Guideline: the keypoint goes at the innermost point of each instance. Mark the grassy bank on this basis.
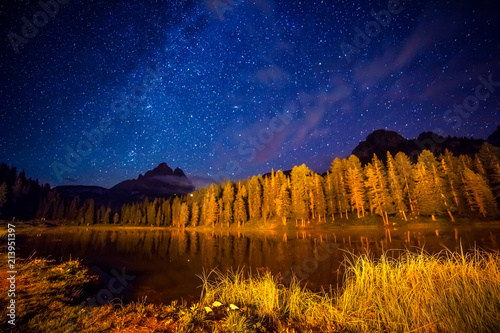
(449, 292)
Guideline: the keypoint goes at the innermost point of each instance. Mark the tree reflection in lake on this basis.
(166, 262)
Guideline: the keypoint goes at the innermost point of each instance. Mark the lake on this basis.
(165, 262)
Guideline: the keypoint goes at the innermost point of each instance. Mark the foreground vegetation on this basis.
(447, 292)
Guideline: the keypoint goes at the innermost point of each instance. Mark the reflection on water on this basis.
(166, 262)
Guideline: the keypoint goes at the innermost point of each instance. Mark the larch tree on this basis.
(274, 189)
(489, 155)
(73, 208)
(255, 197)
(176, 212)
(183, 215)
(397, 185)
(220, 213)
(433, 196)
(166, 211)
(240, 210)
(151, 213)
(330, 197)
(355, 180)
(465, 161)
(228, 200)
(267, 198)
(283, 203)
(450, 167)
(318, 196)
(106, 218)
(125, 214)
(116, 218)
(300, 184)
(478, 194)
(90, 212)
(159, 216)
(340, 186)
(3, 194)
(479, 167)
(212, 209)
(378, 189)
(59, 211)
(405, 170)
(195, 214)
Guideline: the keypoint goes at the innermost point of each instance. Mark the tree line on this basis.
(446, 185)
(19, 196)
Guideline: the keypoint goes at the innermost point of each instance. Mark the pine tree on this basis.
(116, 218)
(478, 194)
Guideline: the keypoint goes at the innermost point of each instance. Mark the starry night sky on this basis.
(233, 88)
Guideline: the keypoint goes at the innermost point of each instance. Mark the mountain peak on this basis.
(160, 181)
(381, 141)
(161, 170)
(179, 172)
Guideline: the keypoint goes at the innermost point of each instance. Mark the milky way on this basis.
(94, 92)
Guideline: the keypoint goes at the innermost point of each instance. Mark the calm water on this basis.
(165, 262)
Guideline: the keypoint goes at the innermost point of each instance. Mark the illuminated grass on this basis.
(447, 292)
(417, 292)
